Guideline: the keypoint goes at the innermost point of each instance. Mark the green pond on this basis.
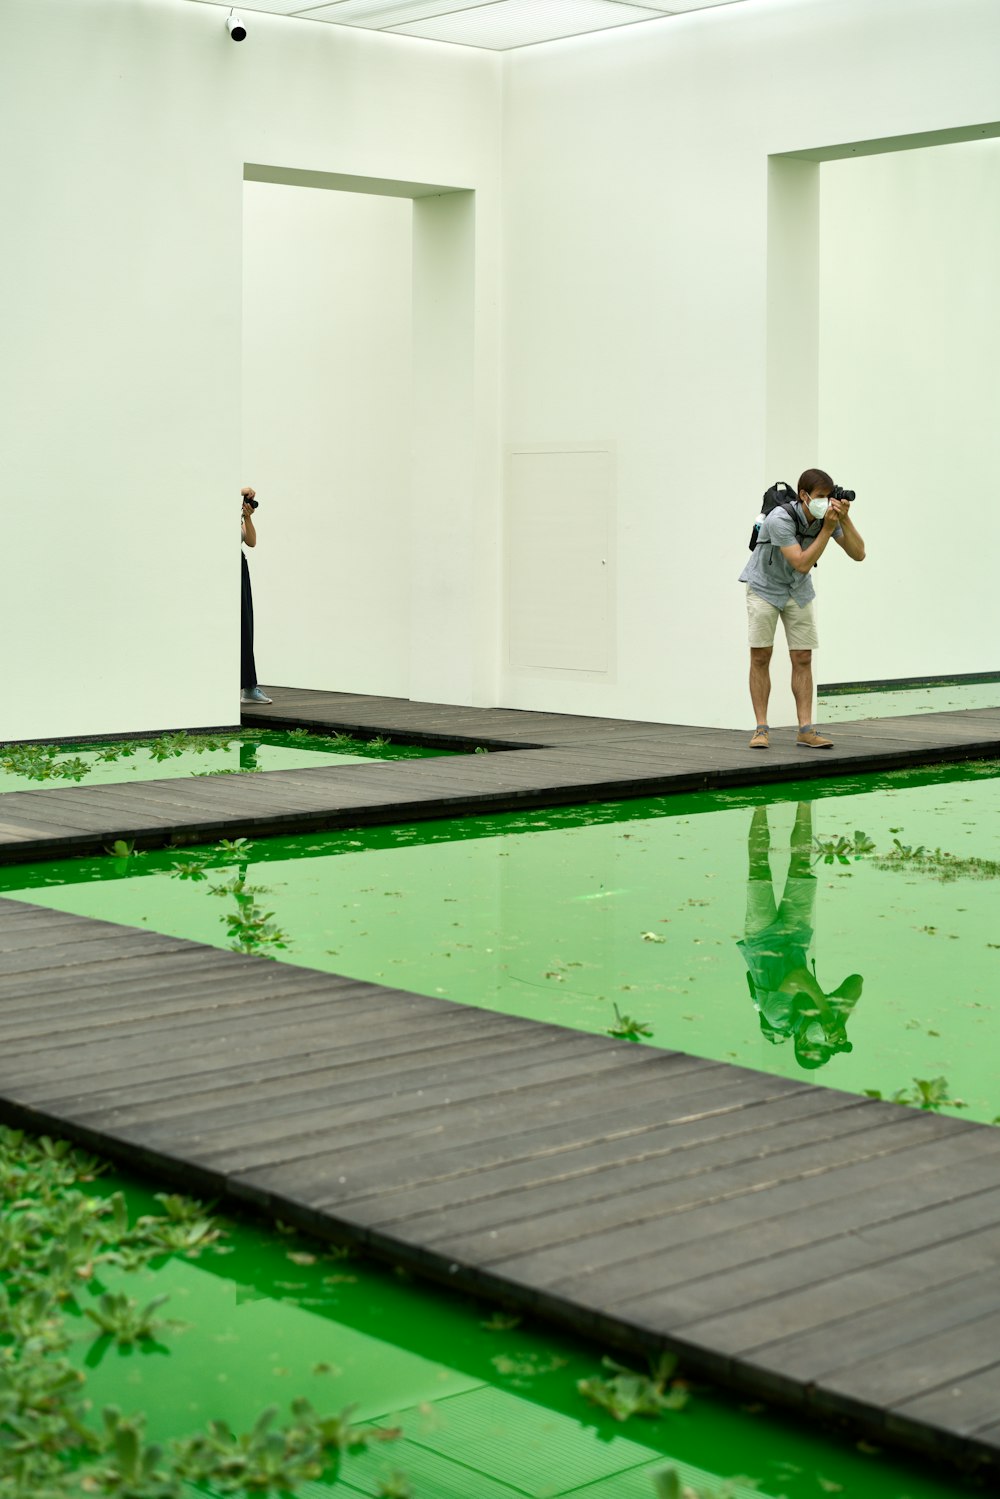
(844, 929)
(25, 767)
(487, 1406)
(931, 697)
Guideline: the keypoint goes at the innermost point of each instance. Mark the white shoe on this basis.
(254, 695)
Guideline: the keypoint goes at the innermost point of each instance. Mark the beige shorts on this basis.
(799, 623)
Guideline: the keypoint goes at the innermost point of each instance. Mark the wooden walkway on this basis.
(839, 1254)
(535, 760)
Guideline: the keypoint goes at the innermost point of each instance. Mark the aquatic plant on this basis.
(627, 1028)
(927, 1093)
(937, 863)
(234, 846)
(229, 770)
(251, 928)
(379, 742)
(40, 762)
(842, 849)
(667, 1484)
(53, 1238)
(121, 1317)
(629, 1393)
(122, 848)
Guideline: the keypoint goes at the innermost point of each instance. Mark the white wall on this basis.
(635, 312)
(634, 322)
(126, 126)
(327, 434)
(909, 403)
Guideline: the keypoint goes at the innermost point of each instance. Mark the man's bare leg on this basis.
(802, 691)
(760, 680)
(802, 686)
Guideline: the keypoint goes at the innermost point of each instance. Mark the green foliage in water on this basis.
(628, 1393)
(842, 849)
(627, 1028)
(935, 863)
(54, 1239)
(250, 928)
(927, 1093)
(41, 762)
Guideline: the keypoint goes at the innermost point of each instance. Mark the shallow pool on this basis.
(940, 697)
(487, 1405)
(23, 767)
(845, 930)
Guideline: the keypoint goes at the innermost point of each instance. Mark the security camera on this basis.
(236, 28)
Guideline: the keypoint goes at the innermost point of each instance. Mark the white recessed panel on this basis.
(379, 14)
(520, 23)
(267, 7)
(559, 505)
(677, 6)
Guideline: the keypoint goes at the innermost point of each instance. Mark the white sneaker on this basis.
(254, 695)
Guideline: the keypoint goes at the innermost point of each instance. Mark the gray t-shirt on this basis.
(767, 572)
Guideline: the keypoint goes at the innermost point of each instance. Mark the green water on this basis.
(865, 976)
(243, 751)
(487, 1411)
(845, 707)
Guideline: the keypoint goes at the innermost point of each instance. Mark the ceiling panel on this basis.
(499, 25)
(523, 23)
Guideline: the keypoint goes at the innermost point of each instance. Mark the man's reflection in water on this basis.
(248, 754)
(789, 1001)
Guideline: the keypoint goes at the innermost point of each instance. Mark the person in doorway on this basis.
(777, 576)
(787, 996)
(249, 691)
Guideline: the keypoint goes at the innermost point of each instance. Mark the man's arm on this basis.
(249, 531)
(850, 539)
(804, 558)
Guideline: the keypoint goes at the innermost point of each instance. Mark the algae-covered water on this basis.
(886, 702)
(242, 751)
(847, 930)
(487, 1405)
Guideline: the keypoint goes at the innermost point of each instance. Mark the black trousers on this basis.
(248, 668)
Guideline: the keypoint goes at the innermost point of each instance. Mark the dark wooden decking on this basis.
(535, 759)
(834, 1252)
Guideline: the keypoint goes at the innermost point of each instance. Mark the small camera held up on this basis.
(836, 493)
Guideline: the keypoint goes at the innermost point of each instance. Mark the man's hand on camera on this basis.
(835, 512)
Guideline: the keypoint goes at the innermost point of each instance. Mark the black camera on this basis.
(836, 493)
(246, 500)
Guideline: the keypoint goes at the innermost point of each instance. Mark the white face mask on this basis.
(818, 508)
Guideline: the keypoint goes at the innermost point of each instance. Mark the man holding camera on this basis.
(249, 691)
(789, 544)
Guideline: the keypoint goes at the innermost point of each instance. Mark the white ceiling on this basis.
(497, 25)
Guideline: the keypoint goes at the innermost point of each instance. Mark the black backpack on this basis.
(779, 494)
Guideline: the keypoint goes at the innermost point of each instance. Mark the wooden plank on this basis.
(556, 1258)
(727, 1234)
